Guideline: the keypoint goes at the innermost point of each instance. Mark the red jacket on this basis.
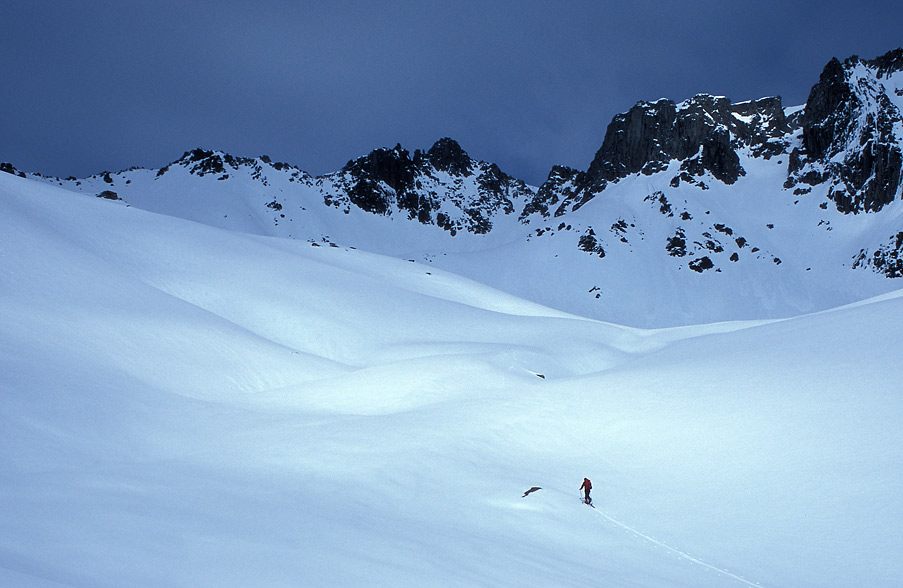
(586, 484)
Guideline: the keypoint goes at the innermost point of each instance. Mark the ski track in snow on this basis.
(682, 554)
(656, 542)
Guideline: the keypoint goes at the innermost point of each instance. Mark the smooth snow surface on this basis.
(188, 406)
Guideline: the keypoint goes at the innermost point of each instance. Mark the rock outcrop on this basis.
(853, 132)
(442, 186)
(704, 132)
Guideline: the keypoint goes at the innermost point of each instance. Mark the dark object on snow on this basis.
(533, 489)
(586, 486)
(109, 195)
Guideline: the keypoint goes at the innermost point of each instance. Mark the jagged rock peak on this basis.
(392, 167)
(834, 101)
(829, 111)
(446, 155)
(853, 131)
(889, 63)
(387, 181)
(387, 164)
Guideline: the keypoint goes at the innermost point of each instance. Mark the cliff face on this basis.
(853, 133)
(705, 132)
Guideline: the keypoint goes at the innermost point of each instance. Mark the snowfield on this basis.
(188, 406)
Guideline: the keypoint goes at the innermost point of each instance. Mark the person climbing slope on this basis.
(586, 487)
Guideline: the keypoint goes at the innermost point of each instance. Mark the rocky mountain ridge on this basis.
(420, 186)
(853, 113)
(704, 185)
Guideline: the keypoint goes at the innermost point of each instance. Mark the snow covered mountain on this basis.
(687, 208)
(192, 398)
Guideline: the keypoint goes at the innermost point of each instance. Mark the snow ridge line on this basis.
(682, 554)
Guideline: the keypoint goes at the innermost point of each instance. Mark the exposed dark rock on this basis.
(890, 62)
(664, 205)
(374, 173)
(590, 244)
(444, 222)
(711, 244)
(887, 259)
(495, 182)
(393, 167)
(829, 111)
(446, 155)
(720, 158)
(201, 162)
(633, 139)
(849, 135)
(701, 264)
(10, 169)
(765, 126)
(619, 229)
(677, 245)
(386, 180)
(564, 187)
(704, 132)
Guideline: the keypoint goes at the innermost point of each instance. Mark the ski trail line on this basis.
(682, 554)
(666, 547)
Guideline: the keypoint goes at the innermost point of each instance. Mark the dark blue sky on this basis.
(95, 86)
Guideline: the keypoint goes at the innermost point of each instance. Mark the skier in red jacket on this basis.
(586, 487)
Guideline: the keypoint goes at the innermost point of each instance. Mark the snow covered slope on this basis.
(189, 406)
